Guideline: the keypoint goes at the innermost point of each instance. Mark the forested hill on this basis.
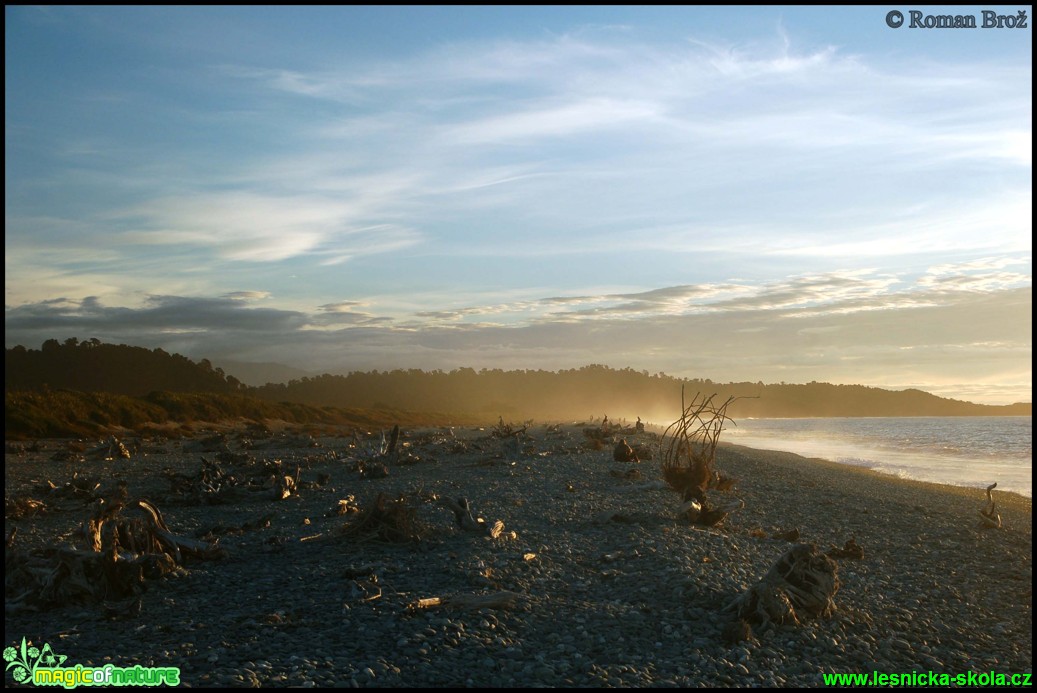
(92, 366)
(595, 391)
(591, 391)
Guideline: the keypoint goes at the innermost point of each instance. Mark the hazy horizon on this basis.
(749, 194)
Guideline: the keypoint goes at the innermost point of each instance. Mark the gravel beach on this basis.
(614, 589)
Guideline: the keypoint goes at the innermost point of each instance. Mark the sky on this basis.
(740, 194)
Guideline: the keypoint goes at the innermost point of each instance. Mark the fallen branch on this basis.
(472, 602)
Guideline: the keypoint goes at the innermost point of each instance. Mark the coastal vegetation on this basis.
(84, 387)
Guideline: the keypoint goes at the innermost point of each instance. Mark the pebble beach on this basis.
(610, 586)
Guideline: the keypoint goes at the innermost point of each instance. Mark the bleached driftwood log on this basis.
(474, 602)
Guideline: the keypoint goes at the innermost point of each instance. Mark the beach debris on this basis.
(230, 476)
(343, 507)
(708, 515)
(688, 466)
(375, 464)
(509, 430)
(503, 599)
(467, 521)
(365, 588)
(22, 507)
(372, 469)
(286, 486)
(109, 449)
(801, 584)
(851, 549)
(127, 544)
(600, 434)
(624, 453)
(632, 474)
(990, 518)
(390, 520)
(390, 451)
(80, 488)
(510, 437)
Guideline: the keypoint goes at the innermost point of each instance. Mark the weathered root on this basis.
(389, 520)
(688, 465)
(110, 449)
(122, 552)
(989, 517)
(467, 521)
(801, 584)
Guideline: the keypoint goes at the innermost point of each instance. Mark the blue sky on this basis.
(775, 194)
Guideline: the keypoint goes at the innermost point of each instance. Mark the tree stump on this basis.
(801, 584)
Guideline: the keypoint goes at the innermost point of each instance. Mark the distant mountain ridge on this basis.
(594, 390)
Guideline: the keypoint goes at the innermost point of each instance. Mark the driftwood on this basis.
(471, 602)
(989, 517)
(110, 449)
(801, 584)
(389, 520)
(509, 430)
(688, 466)
(467, 521)
(624, 453)
(851, 549)
(122, 552)
(227, 479)
(708, 515)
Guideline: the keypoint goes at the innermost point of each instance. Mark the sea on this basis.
(970, 451)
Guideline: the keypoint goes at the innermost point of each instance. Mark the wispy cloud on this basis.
(581, 194)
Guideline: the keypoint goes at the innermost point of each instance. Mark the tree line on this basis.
(592, 391)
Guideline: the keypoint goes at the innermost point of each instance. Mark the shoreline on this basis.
(616, 590)
(1022, 500)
